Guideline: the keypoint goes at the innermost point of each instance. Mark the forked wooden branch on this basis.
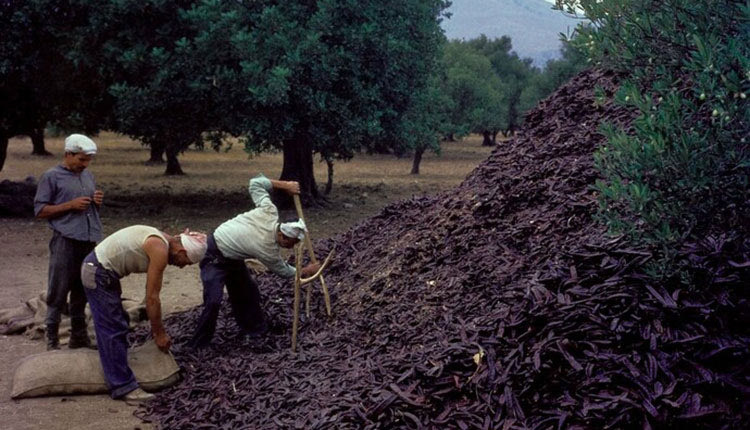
(313, 258)
(299, 281)
(319, 273)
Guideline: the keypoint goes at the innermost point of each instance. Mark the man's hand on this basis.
(292, 187)
(98, 197)
(80, 203)
(163, 341)
(310, 270)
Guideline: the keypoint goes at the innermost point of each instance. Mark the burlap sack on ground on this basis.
(29, 318)
(79, 371)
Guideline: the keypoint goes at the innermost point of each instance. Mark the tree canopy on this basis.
(43, 80)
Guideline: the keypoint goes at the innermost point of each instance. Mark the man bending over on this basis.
(253, 234)
(135, 249)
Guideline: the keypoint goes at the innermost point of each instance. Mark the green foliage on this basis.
(513, 71)
(488, 88)
(335, 77)
(474, 89)
(43, 77)
(162, 84)
(683, 168)
(555, 74)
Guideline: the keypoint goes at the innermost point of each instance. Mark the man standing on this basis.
(68, 198)
(135, 249)
(253, 234)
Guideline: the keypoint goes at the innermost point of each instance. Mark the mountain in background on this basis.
(532, 25)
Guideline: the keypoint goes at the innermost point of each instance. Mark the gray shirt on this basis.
(253, 234)
(59, 185)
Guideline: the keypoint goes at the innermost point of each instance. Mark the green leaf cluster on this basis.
(682, 169)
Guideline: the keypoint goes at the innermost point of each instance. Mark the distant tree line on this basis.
(488, 87)
(325, 77)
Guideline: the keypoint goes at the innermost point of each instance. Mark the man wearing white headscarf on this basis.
(254, 234)
(134, 249)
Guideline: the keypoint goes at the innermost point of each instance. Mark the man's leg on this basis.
(61, 271)
(79, 337)
(213, 276)
(245, 298)
(111, 328)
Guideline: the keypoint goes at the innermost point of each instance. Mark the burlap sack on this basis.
(29, 318)
(79, 371)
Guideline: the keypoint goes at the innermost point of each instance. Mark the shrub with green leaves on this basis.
(682, 168)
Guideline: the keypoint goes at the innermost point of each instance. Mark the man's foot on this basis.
(257, 331)
(137, 396)
(53, 341)
(83, 342)
(53, 346)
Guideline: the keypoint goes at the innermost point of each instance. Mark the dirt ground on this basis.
(213, 190)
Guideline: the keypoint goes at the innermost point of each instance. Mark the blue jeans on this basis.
(244, 297)
(104, 292)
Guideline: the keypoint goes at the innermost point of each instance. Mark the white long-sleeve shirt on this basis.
(253, 234)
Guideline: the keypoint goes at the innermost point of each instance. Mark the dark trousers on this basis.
(244, 297)
(66, 256)
(104, 293)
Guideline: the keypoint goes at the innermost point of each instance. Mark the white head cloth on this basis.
(76, 143)
(294, 230)
(195, 245)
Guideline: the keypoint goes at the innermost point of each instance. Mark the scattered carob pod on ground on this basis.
(500, 305)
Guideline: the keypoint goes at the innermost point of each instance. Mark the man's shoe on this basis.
(137, 396)
(80, 342)
(53, 345)
(53, 342)
(258, 331)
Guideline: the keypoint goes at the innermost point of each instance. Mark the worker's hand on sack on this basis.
(98, 197)
(310, 269)
(80, 203)
(163, 341)
(292, 187)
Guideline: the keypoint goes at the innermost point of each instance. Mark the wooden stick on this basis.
(319, 273)
(295, 321)
(307, 300)
(313, 258)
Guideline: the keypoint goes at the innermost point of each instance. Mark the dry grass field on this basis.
(214, 189)
(215, 185)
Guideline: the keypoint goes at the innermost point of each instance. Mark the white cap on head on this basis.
(195, 245)
(294, 230)
(76, 143)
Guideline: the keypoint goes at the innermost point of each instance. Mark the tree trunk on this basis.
(417, 160)
(486, 138)
(329, 183)
(3, 149)
(298, 166)
(37, 141)
(157, 154)
(494, 136)
(450, 137)
(173, 165)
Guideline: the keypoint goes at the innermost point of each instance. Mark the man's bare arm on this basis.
(291, 187)
(158, 256)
